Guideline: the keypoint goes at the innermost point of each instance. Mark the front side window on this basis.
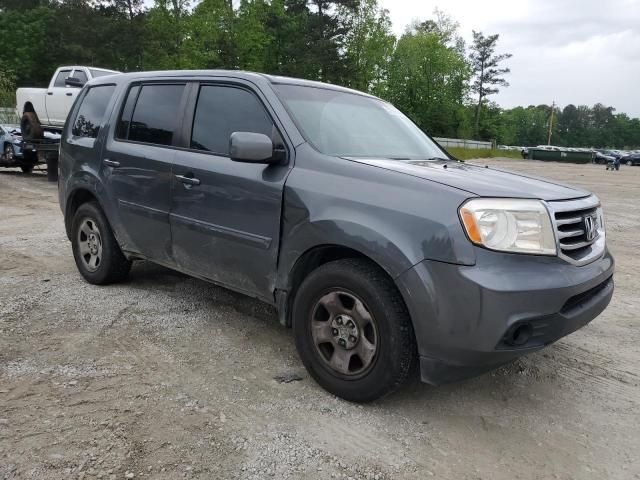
(61, 77)
(90, 115)
(155, 115)
(344, 124)
(222, 110)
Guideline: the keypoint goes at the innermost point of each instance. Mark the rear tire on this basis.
(30, 126)
(52, 168)
(353, 331)
(95, 250)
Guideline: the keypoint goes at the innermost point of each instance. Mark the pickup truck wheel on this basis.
(30, 126)
(95, 249)
(353, 331)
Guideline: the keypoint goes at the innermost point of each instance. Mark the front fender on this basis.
(341, 233)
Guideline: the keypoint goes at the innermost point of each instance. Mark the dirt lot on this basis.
(166, 376)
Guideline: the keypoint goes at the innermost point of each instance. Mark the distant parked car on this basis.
(610, 153)
(525, 153)
(602, 159)
(632, 159)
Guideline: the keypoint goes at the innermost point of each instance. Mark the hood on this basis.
(481, 181)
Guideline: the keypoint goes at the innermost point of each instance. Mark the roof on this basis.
(241, 74)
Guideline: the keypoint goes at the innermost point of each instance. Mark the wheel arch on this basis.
(76, 198)
(310, 260)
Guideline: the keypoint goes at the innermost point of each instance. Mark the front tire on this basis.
(95, 250)
(352, 330)
(9, 153)
(629, 163)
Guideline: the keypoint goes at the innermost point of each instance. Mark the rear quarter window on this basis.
(91, 113)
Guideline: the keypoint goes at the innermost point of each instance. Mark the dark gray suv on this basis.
(382, 252)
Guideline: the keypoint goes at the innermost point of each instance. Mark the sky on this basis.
(567, 51)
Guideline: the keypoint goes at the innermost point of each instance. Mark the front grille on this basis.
(577, 242)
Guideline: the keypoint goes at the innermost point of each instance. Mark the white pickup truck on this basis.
(49, 107)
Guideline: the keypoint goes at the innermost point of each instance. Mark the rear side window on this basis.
(80, 75)
(62, 76)
(122, 130)
(154, 118)
(90, 115)
(220, 111)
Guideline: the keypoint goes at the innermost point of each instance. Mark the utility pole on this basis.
(553, 107)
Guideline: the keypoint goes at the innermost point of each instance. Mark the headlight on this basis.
(509, 225)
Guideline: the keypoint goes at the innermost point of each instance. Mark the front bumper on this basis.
(465, 317)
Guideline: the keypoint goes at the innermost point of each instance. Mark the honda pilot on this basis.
(384, 254)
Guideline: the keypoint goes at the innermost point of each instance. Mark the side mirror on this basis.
(251, 148)
(73, 82)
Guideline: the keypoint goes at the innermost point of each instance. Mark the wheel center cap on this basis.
(345, 331)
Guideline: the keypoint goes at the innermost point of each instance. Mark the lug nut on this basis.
(339, 320)
(334, 331)
(352, 338)
(342, 342)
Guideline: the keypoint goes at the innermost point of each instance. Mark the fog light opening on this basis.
(520, 335)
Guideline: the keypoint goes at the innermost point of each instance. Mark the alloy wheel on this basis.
(344, 333)
(90, 244)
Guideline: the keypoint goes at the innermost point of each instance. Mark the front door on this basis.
(225, 215)
(56, 99)
(136, 166)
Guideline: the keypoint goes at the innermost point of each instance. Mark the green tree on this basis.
(165, 33)
(485, 68)
(368, 45)
(428, 81)
(7, 88)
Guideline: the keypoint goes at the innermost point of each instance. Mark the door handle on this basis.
(111, 163)
(69, 94)
(49, 93)
(188, 180)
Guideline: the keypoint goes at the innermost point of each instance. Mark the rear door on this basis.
(137, 167)
(225, 215)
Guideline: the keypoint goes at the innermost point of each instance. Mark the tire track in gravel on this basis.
(605, 374)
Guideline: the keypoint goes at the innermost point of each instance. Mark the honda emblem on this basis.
(590, 230)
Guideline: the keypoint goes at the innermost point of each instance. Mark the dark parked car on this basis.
(603, 159)
(376, 247)
(631, 159)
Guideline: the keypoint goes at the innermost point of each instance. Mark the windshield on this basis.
(350, 125)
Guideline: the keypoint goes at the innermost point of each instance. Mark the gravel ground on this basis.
(165, 376)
